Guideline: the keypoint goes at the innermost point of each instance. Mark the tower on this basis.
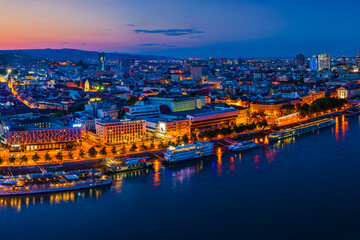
(300, 60)
(323, 62)
(101, 61)
(87, 86)
(196, 72)
(313, 64)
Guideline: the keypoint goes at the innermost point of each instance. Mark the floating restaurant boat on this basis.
(301, 129)
(188, 152)
(52, 182)
(240, 146)
(130, 164)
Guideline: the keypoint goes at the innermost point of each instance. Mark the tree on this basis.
(35, 158)
(121, 113)
(92, 152)
(194, 137)
(103, 151)
(132, 100)
(59, 156)
(161, 145)
(47, 157)
(70, 155)
(1, 160)
(152, 145)
(123, 149)
(178, 141)
(143, 147)
(185, 139)
(24, 159)
(133, 147)
(81, 153)
(264, 123)
(113, 150)
(12, 159)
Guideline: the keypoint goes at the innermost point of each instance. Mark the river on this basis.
(306, 187)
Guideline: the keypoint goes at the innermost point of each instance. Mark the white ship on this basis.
(244, 146)
(188, 152)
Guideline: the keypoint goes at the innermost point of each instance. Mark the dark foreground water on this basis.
(303, 188)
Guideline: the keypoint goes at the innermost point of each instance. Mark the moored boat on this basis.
(52, 182)
(301, 129)
(188, 152)
(240, 146)
(130, 164)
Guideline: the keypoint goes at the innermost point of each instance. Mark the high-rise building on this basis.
(101, 61)
(323, 62)
(300, 60)
(359, 59)
(313, 64)
(212, 63)
(196, 72)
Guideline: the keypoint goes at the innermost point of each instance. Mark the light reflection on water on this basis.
(223, 163)
(18, 202)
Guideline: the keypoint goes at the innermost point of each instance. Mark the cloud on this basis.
(195, 37)
(83, 44)
(169, 32)
(148, 44)
(155, 44)
(130, 25)
(64, 43)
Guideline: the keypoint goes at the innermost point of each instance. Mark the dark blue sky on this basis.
(182, 28)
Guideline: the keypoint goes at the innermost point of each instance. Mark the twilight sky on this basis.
(184, 28)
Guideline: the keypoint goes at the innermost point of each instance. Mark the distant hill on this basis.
(18, 58)
(75, 54)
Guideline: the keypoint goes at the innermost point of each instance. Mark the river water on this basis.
(307, 187)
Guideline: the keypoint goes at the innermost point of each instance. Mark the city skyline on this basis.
(184, 28)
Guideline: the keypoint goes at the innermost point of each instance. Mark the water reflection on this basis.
(18, 202)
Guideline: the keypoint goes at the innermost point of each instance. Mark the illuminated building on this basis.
(120, 131)
(142, 111)
(323, 62)
(207, 118)
(348, 91)
(101, 61)
(176, 103)
(176, 75)
(313, 64)
(87, 86)
(40, 134)
(312, 96)
(168, 128)
(269, 107)
(196, 72)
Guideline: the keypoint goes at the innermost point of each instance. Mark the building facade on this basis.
(176, 104)
(168, 128)
(348, 91)
(44, 134)
(323, 62)
(117, 131)
(142, 111)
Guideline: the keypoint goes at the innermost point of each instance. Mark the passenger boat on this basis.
(188, 152)
(301, 129)
(240, 146)
(52, 182)
(126, 165)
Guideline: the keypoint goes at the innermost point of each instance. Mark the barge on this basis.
(48, 182)
(301, 129)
